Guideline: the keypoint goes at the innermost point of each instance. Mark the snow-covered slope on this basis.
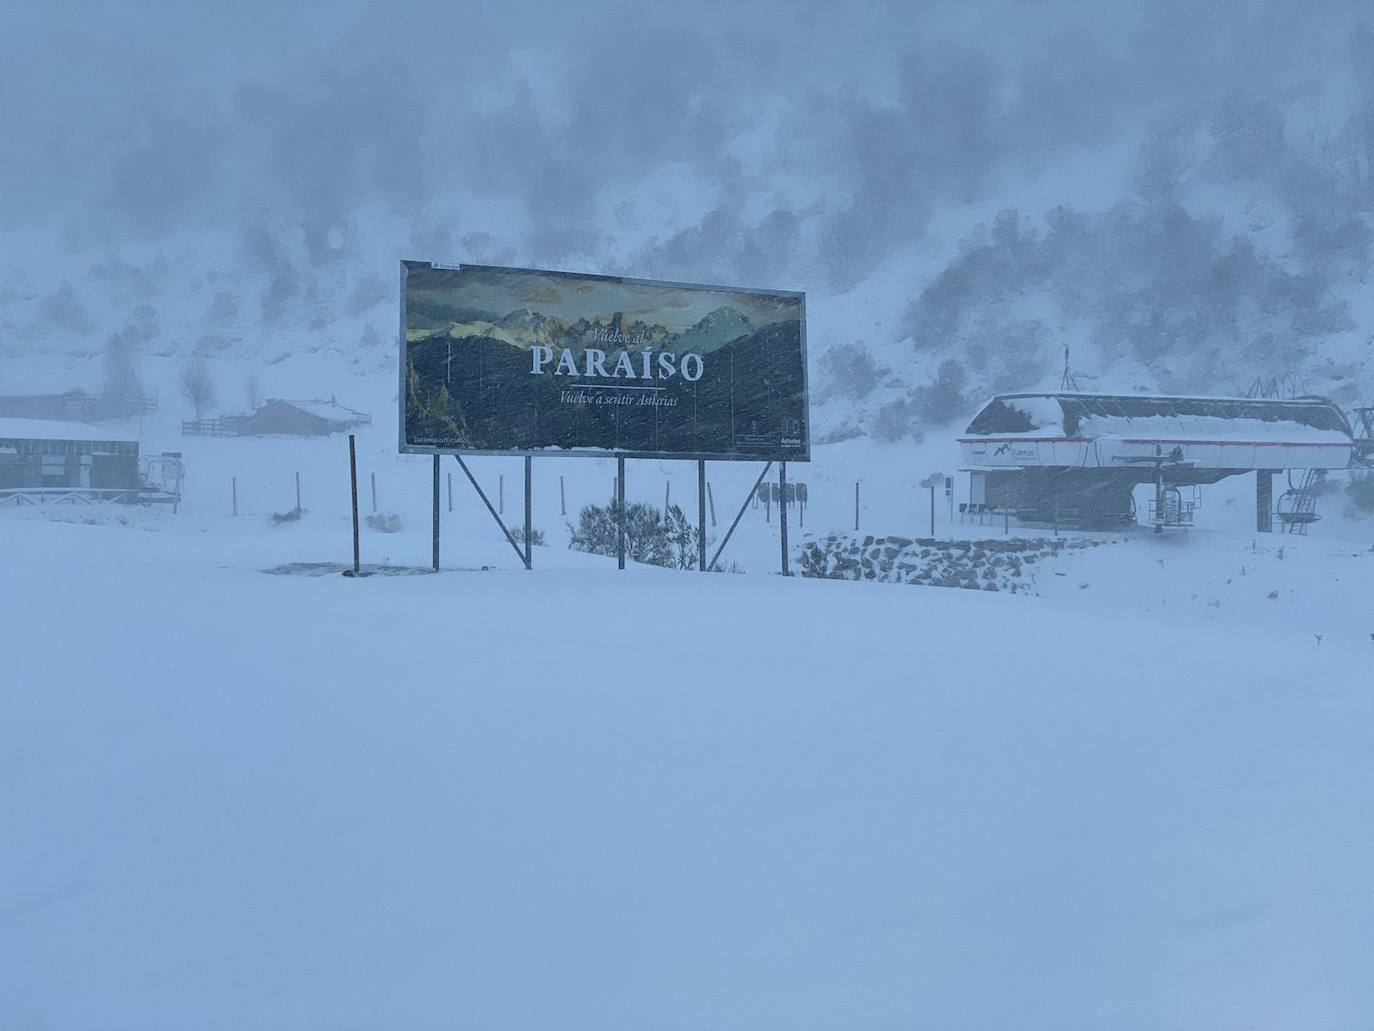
(234, 799)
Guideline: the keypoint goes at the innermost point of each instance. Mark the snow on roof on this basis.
(1207, 428)
(52, 429)
(331, 411)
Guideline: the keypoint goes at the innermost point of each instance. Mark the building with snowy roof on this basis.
(1076, 459)
(41, 453)
(286, 418)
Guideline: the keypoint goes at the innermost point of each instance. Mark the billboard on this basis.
(523, 361)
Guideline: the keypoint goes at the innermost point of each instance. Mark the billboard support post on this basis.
(620, 511)
(436, 513)
(782, 512)
(701, 515)
(482, 494)
(353, 479)
(529, 522)
(753, 492)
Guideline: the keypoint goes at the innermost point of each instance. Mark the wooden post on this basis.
(529, 521)
(436, 513)
(353, 479)
(620, 511)
(701, 515)
(782, 513)
(235, 487)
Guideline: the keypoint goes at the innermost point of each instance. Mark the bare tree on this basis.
(198, 385)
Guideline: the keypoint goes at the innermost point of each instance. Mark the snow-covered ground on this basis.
(578, 798)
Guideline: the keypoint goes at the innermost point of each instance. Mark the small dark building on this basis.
(38, 453)
(298, 418)
(73, 406)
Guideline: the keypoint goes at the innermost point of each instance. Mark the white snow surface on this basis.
(576, 798)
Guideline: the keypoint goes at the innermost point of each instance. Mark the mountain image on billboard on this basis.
(520, 360)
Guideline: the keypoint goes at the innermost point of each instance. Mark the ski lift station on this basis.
(1075, 459)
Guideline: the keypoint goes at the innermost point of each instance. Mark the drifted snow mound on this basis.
(988, 565)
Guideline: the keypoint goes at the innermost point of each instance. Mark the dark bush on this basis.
(650, 537)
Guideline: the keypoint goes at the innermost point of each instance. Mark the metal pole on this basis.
(782, 512)
(562, 498)
(374, 490)
(529, 521)
(298, 491)
(667, 485)
(932, 510)
(501, 493)
(701, 515)
(449, 477)
(1264, 501)
(353, 478)
(235, 485)
(436, 513)
(486, 501)
(711, 500)
(620, 511)
(1159, 497)
(1006, 521)
(753, 491)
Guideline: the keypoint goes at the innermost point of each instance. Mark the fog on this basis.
(1180, 191)
(781, 124)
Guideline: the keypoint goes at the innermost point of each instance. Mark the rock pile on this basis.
(1009, 564)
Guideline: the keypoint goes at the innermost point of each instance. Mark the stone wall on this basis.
(1007, 564)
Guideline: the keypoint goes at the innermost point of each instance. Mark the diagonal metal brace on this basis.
(743, 508)
(482, 494)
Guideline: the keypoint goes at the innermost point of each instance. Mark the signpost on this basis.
(506, 361)
(931, 482)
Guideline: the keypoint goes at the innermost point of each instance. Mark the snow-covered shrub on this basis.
(536, 536)
(649, 536)
(1361, 492)
(851, 370)
(893, 421)
(943, 399)
(384, 522)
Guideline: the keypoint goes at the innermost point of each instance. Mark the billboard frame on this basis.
(406, 448)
